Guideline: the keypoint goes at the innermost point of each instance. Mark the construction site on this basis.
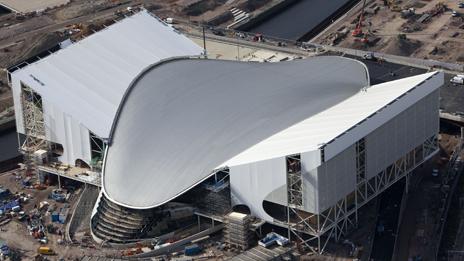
(210, 143)
(429, 29)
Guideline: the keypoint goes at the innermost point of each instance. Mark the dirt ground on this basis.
(16, 234)
(441, 37)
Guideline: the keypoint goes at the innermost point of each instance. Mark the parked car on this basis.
(370, 57)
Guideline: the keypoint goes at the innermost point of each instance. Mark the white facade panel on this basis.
(430, 83)
(253, 183)
(401, 134)
(336, 179)
(310, 161)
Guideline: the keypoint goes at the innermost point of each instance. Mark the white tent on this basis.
(82, 85)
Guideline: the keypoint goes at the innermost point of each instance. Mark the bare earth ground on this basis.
(441, 38)
(16, 235)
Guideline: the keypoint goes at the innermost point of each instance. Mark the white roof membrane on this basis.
(88, 79)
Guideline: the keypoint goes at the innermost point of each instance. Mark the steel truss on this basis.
(33, 119)
(313, 231)
(34, 127)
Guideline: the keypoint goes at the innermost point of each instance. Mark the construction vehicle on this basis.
(357, 32)
(45, 251)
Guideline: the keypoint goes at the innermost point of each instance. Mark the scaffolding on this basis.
(34, 127)
(313, 231)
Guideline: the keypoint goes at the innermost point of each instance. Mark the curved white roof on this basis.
(181, 119)
(87, 80)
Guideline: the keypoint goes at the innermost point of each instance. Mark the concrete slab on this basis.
(28, 6)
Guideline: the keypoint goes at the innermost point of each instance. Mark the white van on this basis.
(458, 79)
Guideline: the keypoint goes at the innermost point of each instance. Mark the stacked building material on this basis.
(216, 202)
(237, 230)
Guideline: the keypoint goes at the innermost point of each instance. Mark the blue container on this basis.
(55, 217)
(192, 250)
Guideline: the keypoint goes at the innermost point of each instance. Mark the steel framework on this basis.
(314, 231)
(34, 127)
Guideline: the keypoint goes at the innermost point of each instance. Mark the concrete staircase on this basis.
(117, 224)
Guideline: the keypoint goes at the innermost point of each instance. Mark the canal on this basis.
(8, 145)
(3, 10)
(303, 19)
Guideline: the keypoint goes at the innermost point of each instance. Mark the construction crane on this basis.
(357, 32)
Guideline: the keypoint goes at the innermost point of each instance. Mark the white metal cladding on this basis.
(88, 79)
(255, 182)
(377, 105)
(324, 185)
(400, 135)
(184, 118)
(309, 162)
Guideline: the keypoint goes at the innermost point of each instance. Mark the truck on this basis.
(45, 251)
